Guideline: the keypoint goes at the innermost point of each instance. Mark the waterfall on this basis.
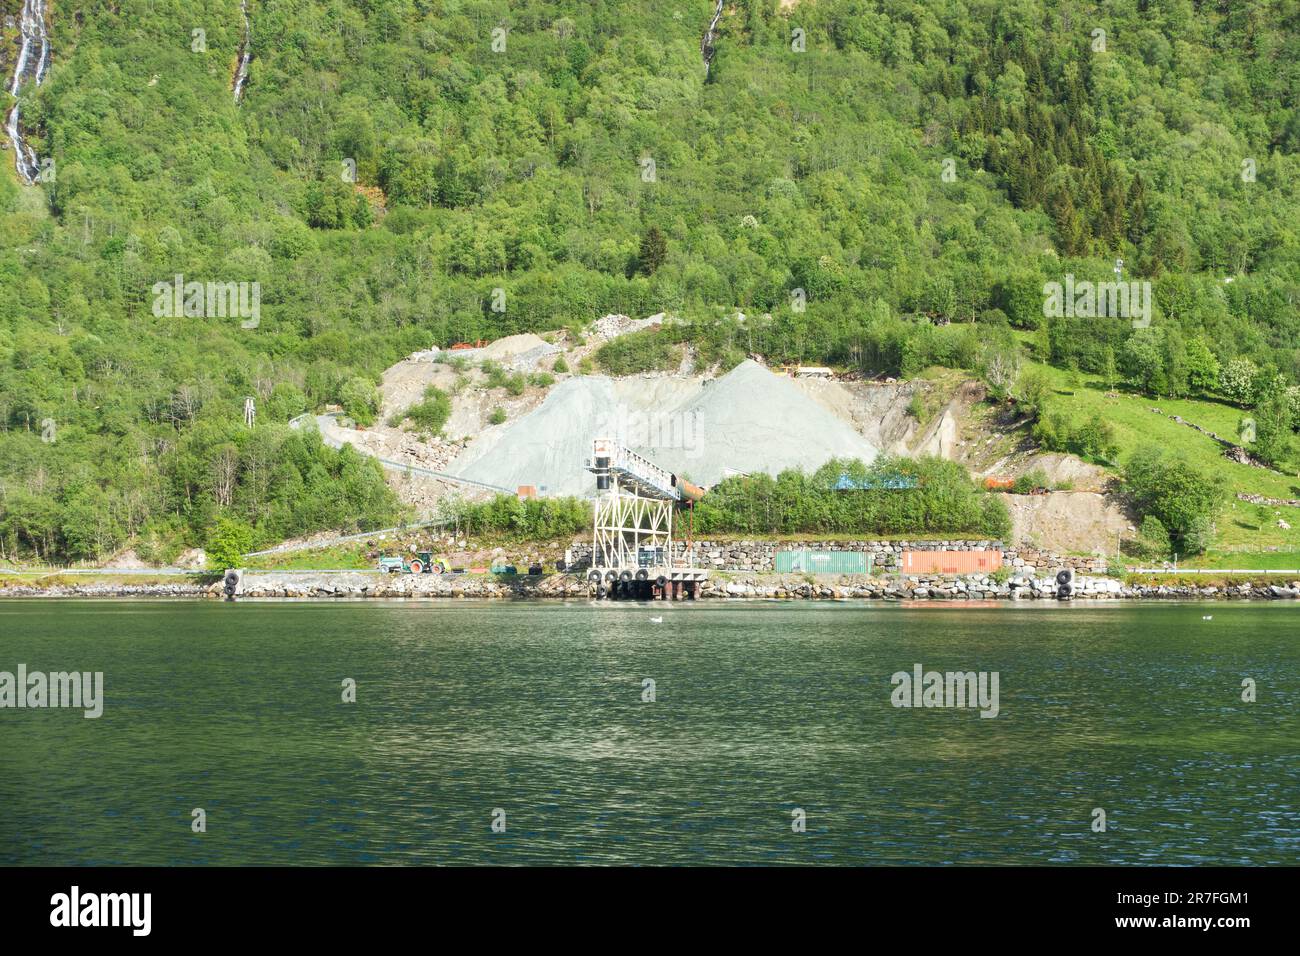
(33, 61)
(706, 45)
(245, 52)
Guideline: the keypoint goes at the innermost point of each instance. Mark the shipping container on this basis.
(822, 562)
(951, 562)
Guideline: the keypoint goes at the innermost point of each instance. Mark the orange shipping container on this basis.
(951, 562)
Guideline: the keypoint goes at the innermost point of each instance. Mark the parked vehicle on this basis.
(422, 563)
(426, 563)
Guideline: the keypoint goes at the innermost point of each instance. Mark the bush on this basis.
(1094, 438)
(650, 350)
(916, 406)
(560, 366)
(1031, 390)
(1184, 499)
(1153, 538)
(498, 377)
(1272, 426)
(360, 399)
(1030, 481)
(227, 543)
(430, 414)
(1237, 381)
(498, 416)
(531, 519)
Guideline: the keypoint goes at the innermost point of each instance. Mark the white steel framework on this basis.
(635, 509)
(625, 522)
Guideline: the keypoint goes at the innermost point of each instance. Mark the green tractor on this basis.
(423, 563)
(426, 563)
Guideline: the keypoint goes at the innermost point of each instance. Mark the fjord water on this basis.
(760, 709)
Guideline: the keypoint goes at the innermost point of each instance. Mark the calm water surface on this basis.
(536, 709)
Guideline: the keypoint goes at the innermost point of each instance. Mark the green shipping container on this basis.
(822, 562)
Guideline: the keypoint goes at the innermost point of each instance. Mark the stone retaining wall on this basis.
(984, 588)
(760, 556)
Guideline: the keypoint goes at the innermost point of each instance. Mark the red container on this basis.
(951, 562)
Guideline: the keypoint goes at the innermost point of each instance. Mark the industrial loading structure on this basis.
(632, 535)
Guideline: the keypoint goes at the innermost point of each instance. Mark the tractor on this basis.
(426, 563)
(423, 563)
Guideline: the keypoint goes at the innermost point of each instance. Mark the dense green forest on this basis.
(941, 499)
(938, 497)
(891, 182)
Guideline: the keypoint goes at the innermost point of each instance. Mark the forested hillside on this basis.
(893, 182)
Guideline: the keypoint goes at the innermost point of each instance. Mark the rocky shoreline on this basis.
(357, 585)
(105, 591)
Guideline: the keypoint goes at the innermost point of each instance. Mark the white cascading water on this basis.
(245, 53)
(706, 45)
(33, 60)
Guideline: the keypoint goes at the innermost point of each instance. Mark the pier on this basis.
(632, 531)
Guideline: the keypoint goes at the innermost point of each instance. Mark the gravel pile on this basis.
(612, 326)
(515, 348)
(527, 361)
(750, 420)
